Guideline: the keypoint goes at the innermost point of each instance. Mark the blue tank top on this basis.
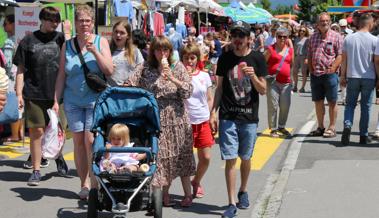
(76, 90)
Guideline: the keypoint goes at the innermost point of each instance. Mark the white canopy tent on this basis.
(9, 3)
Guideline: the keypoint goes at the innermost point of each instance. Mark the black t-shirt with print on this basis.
(39, 54)
(240, 99)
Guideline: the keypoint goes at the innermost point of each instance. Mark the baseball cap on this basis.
(241, 26)
(343, 22)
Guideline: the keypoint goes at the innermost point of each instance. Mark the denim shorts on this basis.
(324, 86)
(237, 139)
(79, 118)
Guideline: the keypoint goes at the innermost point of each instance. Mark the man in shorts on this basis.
(324, 58)
(241, 78)
(37, 59)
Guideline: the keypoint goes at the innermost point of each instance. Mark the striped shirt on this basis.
(324, 51)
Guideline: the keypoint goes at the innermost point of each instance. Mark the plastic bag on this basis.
(53, 138)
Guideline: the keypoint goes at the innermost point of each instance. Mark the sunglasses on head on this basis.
(237, 35)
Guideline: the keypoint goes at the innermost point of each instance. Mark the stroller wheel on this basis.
(157, 203)
(92, 203)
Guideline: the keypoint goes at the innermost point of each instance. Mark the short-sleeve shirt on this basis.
(240, 99)
(324, 51)
(39, 54)
(197, 104)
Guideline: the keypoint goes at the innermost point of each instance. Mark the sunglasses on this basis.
(282, 37)
(238, 35)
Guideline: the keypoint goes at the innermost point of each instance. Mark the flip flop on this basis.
(318, 132)
(12, 140)
(330, 133)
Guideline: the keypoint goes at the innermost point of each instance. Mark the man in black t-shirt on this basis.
(241, 78)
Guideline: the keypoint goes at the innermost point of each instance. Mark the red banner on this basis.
(357, 2)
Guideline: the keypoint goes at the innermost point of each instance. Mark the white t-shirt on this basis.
(121, 159)
(197, 104)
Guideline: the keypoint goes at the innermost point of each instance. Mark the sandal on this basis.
(330, 133)
(198, 191)
(167, 202)
(284, 132)
(318, 132)
(10, 140)
(186, 202)
(274, 133)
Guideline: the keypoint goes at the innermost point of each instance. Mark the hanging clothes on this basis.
(158, 24)
(182, 30)
(123, 8)
(181, 13)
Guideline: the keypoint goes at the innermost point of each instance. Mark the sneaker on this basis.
(376, 134)
(28, 163)
(294, 89)
(44, 163)
(302, 90)
(284, 131)
(364, 140)
(230, 212)
(35, 178)
(243, 200)
(345, 138)
(62, 167)
(83, 194)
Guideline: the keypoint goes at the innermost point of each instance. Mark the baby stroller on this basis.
(121, 193)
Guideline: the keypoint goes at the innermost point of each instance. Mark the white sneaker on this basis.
(376, 134)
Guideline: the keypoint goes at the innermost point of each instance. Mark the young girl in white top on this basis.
(198, 106)
(121, 162)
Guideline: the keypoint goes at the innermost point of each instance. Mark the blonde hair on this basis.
(129, 46)
(119, 130)
(86, 9)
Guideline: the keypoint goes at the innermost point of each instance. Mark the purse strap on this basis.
(81, 58)
(282, 61)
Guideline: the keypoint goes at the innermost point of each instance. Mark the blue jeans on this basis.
(324, 86)
(354, 87)
(237, 139)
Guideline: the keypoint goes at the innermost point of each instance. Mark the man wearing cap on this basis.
(324, 58)
(344, 29)
(241, 78)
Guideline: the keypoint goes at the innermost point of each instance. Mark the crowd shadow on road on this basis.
(12, 163)
(197, 207)
(336, 141)
(35, 194)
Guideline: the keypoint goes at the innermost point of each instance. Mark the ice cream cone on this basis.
(144, 168)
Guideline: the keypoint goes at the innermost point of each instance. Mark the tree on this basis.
(282, 9)
(309, 9)
(266, 4)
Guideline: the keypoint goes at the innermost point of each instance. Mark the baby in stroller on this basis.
(120, 163)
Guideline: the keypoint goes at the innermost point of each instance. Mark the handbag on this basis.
(93, 80)
(270, 79)
(10, 111)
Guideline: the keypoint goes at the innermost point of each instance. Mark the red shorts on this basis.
(202, 135)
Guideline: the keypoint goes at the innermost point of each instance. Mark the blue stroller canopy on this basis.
(136, 105)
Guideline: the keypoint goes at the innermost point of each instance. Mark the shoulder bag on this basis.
(93, 80)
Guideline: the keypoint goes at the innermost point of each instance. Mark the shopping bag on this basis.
(10, 112)
(53, 138)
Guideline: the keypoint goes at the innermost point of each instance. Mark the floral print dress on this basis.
(175, 156)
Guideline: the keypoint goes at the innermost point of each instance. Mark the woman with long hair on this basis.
(125, 55)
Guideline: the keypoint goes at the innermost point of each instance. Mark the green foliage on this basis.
(282, 9)
(266, 4)
(309, 9)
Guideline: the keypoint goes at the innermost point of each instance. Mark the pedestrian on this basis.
(324, 58)
(37, 61)
(171, 85)
(125, 55)
(139, 40)
(241, 75)
(279, 59)
(358, 76)
(198, 106)
(301, 62)
(9, 49)
(79, 99)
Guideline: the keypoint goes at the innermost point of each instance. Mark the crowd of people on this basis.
(204, 84)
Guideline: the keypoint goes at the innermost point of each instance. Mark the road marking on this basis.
(69, 156)
(10, 149)
(265, 147)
